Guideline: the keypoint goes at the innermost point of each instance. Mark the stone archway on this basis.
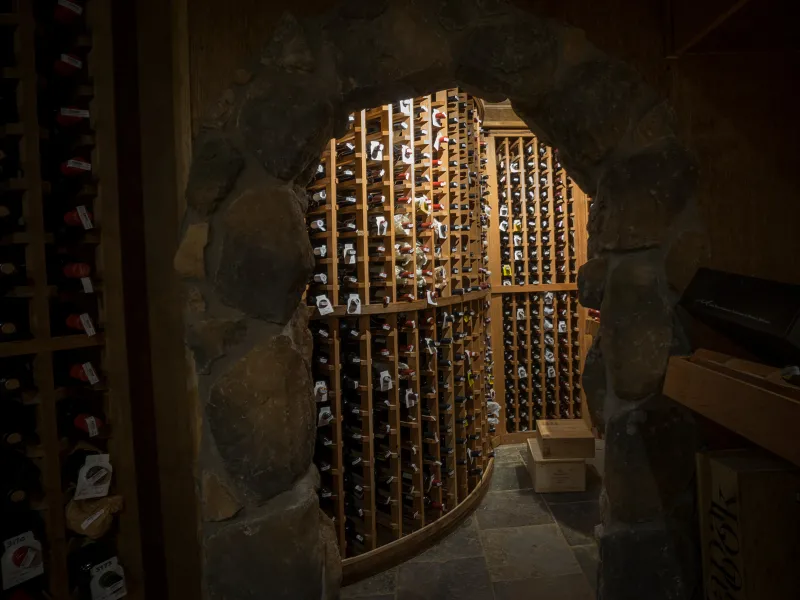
(245, 259)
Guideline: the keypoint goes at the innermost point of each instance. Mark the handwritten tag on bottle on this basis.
(91, 426)
(323, 305)
(91, 374)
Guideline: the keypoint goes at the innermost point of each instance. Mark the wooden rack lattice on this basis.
(41, 354)
(537, 243)
(397, 221)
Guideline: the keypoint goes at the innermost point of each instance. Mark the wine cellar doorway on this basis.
(245, 259)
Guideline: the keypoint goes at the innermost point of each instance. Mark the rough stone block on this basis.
(649, 461)
(516, 56)
(265, 257)
(211, 338)
(640, 196)
(218, 500)
(261, 414)
(589, 114)
(653, 561)
(216, 164)
(273, 552)
(189, 260)
(297, 329)
(594, 383)
(592, 282)
(636, 326)
(332, 560)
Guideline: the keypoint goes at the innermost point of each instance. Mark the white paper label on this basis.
(385, 381)
(405, 106)
(78, 10)
(70, 60)
(349, 254)
(92, 518)
(441, 229)
(562, 326)
(548, 298)
(549, 356)
(503, 212)
(88, 325)
(520, 314)
(551, 371)
(325, 416)
(15, 571)
(410, 399)
(321, 251)
(108, 581)
(91, 426)
(518, 255)
(86, 283)
(324, 305)
(91, 374)
(94, 478)
(74, 112)
(430, 346)
(504, 226)
(431, 299)
(321, 391)
(523, 374)
(548, 325)
(381, 225)
(375, 150)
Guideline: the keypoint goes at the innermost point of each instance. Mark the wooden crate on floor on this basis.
(555, 474)
(561, 438)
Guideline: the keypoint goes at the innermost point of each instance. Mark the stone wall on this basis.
(245, 258)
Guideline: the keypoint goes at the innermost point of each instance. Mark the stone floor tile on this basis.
(510, 477)
(460, 579)
(593, 486)
(577, 521)
(376, 586)
(589, 559)
(566, 587)
(528, 552)
(512, 456)
(512, 509)
(464, 542)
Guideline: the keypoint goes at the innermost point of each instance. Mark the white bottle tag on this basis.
(431, 299)
(92, 518)
(562, 327)
(375, 150)
(503, 226)
(549, 310)
(108, 581)
(324, 305)
(548, 298)
(74, 112)
(321, 251)
(21, 559)
(520, 314)
(518, 255)
(86, 283)
(551, 371)
(325, 416)
(430, 346)
(548, 325)
(549, 356)
(385, 381)
(79, 164)
(321, 391)
(70, 60)
(405, 106)
(94, 478)
(381, 225)
(518, 240)
(91, 374)
(503, 212)
(91, 426)
(83, 215)
(88, 325)
(506, 282)
(77, 9)
(523, 374)
(353, 304)
(548, 340)
(349, 254)
(410, 399)
(441, 229)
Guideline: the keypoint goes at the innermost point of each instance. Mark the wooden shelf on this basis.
(748, 398)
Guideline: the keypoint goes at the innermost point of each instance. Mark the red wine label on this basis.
(71, 116)
(21, 559)
(76, 270)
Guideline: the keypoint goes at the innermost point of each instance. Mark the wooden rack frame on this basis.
(537, 242)
(109, 343)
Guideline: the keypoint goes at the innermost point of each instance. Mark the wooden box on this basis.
(564, 438)
(555, 474)
(749, 525)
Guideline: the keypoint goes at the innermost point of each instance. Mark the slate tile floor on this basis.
(518, 545)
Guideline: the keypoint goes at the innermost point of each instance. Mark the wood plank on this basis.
(733, 402)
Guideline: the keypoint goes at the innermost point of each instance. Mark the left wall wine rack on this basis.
(69, 524)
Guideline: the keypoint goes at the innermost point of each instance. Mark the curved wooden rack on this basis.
(370, 563)
(401, 307)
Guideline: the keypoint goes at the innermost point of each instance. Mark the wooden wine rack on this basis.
(32, 241)
(537, 243)
(394, 461)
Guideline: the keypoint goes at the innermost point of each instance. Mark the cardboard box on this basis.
(749, 525)
(565, 438)
(555, 474)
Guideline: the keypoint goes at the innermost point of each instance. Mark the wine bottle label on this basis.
(94, 478)
(325, 416)
(79, 164)
(349, 254)
(91, 374)
(91, 427)
(76, 113)
(385, 381)
(562, 326)
(353, 304)
(108, 581)
(21, 560)
(71, 60)
(375, 150)
(323, 305)
(76, 8)
(88, 325)
(551, 372)
(92, 518)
